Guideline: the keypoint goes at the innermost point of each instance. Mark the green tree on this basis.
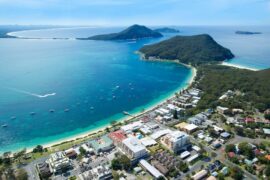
(236, 173)
(267, 171)
(21, 174)
(230, 148)
(38, 149)
(82, 151)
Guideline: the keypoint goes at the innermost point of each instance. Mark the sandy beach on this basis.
(238, 66)
(134, 116)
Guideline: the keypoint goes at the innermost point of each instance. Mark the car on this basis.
(206, 159)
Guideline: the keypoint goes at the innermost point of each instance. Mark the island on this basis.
(247, 32)
(132, 32)
(192, 50)
(167, 30)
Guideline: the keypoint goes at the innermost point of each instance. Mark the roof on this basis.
(200, 175)
(176, 135)
(225, 134)
(150, 168)
(191, 158)
(160, 133)
(181, 125)
(266, 131)
(211, 178)
(184, 154)
(147, 141)
(132, 126)
(133, 144)
(101, 142)
(196, 148)
(118, 136)
(191, 127)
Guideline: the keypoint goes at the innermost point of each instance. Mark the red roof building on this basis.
(249, 120)
(117, 136)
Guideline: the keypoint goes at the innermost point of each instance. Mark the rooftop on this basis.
(133, 144)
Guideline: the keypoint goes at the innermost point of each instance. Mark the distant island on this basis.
(133, 32)
(247, 32)
(193, 50)
(167, 30)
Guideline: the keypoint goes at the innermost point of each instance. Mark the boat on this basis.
(92, 108)
(52, 110)
(125, 113)
(32, 113)
(66, 110)
(13, 117)
(4, 125)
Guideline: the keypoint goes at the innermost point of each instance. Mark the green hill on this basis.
(133, 32)
(193, 50)
(217, 79)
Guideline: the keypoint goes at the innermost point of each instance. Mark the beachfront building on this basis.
(175, 141)
(59, 162)
(101, 144)
(117, 136)
(133, 148)
(132, 127)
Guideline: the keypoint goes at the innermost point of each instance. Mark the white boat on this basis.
(4, 125)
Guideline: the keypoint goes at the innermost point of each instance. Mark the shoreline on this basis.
(88, 133)
(134, 116)
(224, 63)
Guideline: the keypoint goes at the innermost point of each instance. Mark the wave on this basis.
(32, 94)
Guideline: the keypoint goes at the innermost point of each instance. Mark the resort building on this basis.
(59, 162)
(102, 144)
(175, 141)
(44, 170)
(200, 175)
(132, 127)
(133, 148)
(117, 136)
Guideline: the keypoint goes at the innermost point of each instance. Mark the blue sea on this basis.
(95, 80)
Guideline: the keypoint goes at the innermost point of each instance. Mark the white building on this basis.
(175, 141)
(151, 169)
(131, 127)
(133, 148)
(58, 162)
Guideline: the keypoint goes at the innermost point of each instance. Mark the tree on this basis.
(122, 162)
(239, 131)
(236, 173)
(221, 176)
(21, 174)
(246, 149)
(38, 149)
(19, 155)
(175, 116)
(267, 171)
(82, 151)
(230, 148)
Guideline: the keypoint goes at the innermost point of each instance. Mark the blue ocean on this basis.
(52, 89)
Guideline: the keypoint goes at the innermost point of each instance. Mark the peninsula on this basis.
(133, 32)
(247, 32)
(167, 30)
(193, 50)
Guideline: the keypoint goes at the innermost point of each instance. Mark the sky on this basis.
(126, 12)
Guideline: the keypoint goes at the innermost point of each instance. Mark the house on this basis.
(198, 119)
(200, 175)
(71, 153)
(151, 169)
(59, 162)
(266, 131)
(175, 141)
(160, 133)
(133, 148)
(222, 110)
(188, 128)
(101, 144)
(148, 141)
(225, 135)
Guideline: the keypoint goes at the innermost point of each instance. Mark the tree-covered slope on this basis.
(194, 50)
(167, 30)
(133, 32)
(217, 79)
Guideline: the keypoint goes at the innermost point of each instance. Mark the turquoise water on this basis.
(95, 80)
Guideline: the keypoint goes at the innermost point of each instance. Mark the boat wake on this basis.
(33, 94)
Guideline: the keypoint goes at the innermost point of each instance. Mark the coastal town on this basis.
(161, 143)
